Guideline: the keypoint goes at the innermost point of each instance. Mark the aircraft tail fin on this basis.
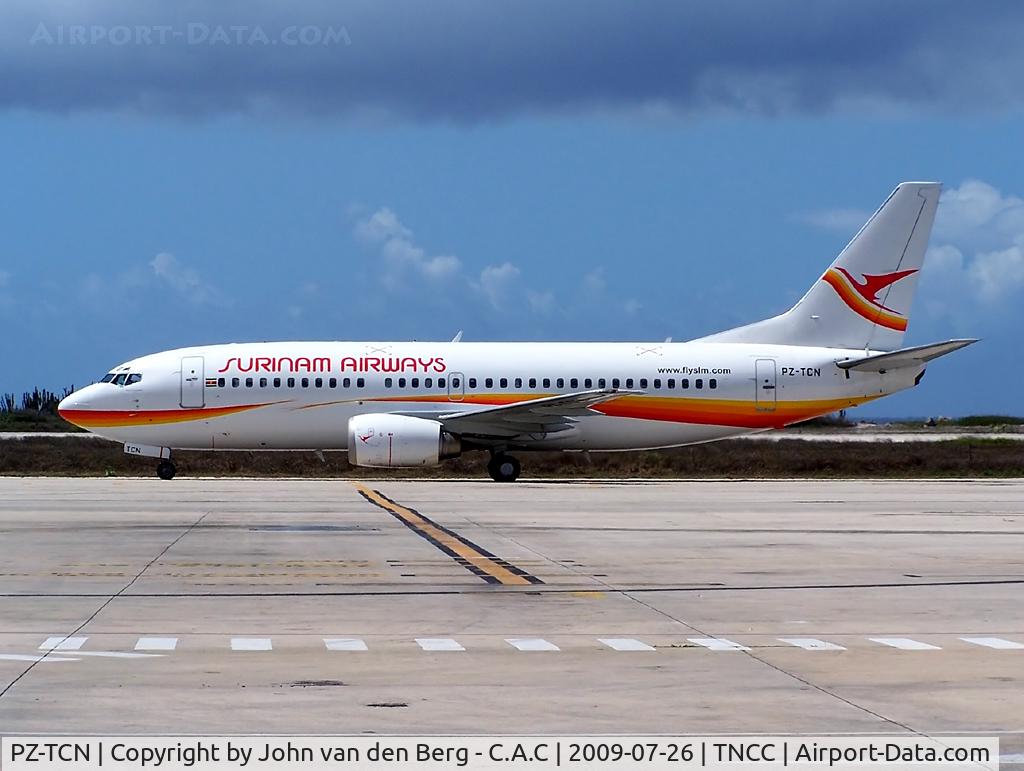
(863, 300)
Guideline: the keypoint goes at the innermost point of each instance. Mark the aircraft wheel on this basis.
(165, 469)
(503, 468)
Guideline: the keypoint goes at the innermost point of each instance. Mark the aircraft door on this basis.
(192, 383)
(764, 382)
(456, 387)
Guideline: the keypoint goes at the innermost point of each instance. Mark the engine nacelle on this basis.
(383, 440)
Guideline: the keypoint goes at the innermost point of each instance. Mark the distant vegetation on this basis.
(44, 455)
(988, 420)
(36, 411)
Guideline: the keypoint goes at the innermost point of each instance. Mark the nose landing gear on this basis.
(165, 469)
(503, 468)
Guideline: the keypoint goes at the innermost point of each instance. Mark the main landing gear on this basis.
(503, 468)
(165, 469)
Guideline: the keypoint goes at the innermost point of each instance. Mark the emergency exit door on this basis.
(764, 382)
(192, 383)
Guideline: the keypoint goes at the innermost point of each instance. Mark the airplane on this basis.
(409, 404)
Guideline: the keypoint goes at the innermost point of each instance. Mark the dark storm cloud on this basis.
(467, 61)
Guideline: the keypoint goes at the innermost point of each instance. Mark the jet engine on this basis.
(383, 440)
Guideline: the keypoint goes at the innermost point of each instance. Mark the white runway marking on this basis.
(625, 644)
(63, 644)
(156, 644)
(995, 642)
(905, 644)
(251, 644)
(117, 655)
(345, 644)
(718, 644)
(438, 644)
(23, 657)
(531, 644)
(811, 644)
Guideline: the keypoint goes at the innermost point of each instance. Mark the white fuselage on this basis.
(272, 396)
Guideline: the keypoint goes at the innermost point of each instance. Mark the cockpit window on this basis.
(119, 380)
(107, 378)
(133, 378)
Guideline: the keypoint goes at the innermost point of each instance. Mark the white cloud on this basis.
(977, 215)
(404, 261)
(380, 226)
(496, 283)
(183, 279)
(998, 275)
(977, 256)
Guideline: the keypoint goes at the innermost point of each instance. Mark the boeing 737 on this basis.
(415, 404)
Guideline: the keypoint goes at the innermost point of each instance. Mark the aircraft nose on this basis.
(72, 407)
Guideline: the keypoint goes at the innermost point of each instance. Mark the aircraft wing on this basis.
(904, 357)
(547, 415)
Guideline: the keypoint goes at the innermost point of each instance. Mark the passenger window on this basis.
(332, 383)
(629, 382)
(684, 383)
(643, 382)
(248, 382)
(615, 382)
(547, 382)
(671, 382)
(220, 382)
(587, 382)
(415, 382)
(305, 382)
(360, 382)
(401, 382)
(428, 382)
(519, 382)
(699, 383)
(387, 382)
(291, 382)
(319, 382)
(489, 382)
(346, 382)
(277, 382)
(440, 382)
(601, 382)
(503, 383)
(119, 380)
(235, 382)
(472, 382)
(533, 382)
(455, 382)
(657, 382)
(574, 383)
(560, 383)
(712, 383)
(133, 378)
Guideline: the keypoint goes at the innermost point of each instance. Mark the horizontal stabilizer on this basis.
(905, 357)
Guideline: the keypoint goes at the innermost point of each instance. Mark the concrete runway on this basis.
(250, 606)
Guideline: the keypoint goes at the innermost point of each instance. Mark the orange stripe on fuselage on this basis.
(125, 418)
(673, 409)
(861, 306)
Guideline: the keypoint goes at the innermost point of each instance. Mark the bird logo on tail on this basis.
(862, 296)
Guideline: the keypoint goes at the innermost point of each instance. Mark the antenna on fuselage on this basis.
(458, 337)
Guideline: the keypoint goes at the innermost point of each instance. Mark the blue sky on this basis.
(515, 172)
